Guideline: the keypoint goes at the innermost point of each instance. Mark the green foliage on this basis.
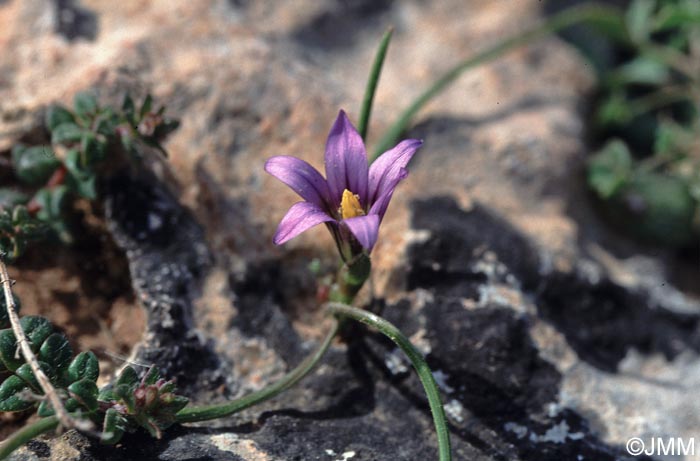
(129, 403)
(34, 165)
(91, 139)
(4, 318)
(610, 168)
(149, 402)
(17, 229)
(648, 171)
(77, 376)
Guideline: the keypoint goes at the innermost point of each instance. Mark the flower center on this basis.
(350, 205)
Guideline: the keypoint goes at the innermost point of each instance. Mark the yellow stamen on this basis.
(350, 205)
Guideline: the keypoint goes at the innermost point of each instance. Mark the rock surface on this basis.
(551, 337)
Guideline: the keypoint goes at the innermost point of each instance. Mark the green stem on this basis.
(656, 100)
(27, 433)
(571, 16)
(424, 373)
(351, 276)
(207, 412)
(372, 82)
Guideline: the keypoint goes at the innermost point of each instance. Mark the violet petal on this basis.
(365, 229)
(300, 217)
(346, 161)
(386, 172)
(301, 177)
(381, 203)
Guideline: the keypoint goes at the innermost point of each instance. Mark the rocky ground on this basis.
(552, 337)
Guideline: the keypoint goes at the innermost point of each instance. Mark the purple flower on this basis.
(354, 197)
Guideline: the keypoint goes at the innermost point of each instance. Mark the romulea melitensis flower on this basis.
(354, 196)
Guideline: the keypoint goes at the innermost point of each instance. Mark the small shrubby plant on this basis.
(647, 173)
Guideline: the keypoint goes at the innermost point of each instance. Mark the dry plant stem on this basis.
(63, 417)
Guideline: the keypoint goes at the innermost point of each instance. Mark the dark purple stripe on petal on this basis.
(386, 172)
(365, 229)
(346, 161)
(301, 177)
(300, 217)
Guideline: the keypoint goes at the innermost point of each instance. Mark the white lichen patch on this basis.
(558, 433)
(502, 295)
(245, 448)
(441, 380)
(454, 411)
(396, 362)
(345, 456)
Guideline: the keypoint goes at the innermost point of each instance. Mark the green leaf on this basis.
(57, 115)
(92, 150)
(4, 318)
(613, 111)
(129, 109)
(609, 169)
(638, 19)
(45, 409)
(25, 372)
(34, 165)
(642, 70)
(127, 377)
(81, 179)
(85, 104)
(57, 351)
(10, 197)
(66, 133)
(84, 366)
(125, 393)
(174, 402)
(37, 329)
(659, 208)
(107, 394)
(8, 350)
(146, 106)
(106, 123)
(372, 83)
(674, 16)
(85, 187)
(113, 428)
(85, 392)
(10, 391)
(152, 375)
(51, 203)
(166, 127)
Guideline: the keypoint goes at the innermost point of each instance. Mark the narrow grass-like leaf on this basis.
(372, 81)
(606, 18)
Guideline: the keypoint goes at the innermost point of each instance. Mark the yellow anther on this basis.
(350, 205)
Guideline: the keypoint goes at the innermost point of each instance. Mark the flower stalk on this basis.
(207, 412)
(26, 434)
(343, 311)
(350, 279)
